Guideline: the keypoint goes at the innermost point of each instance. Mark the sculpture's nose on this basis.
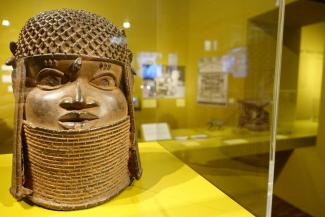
(78, 100)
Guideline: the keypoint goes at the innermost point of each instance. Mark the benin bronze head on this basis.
(75, 144)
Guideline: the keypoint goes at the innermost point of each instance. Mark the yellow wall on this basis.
(184, 31)
(171, 37)
(301, 182)
(164, 26)
(310, 71)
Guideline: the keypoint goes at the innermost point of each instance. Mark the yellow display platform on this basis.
(168, 188)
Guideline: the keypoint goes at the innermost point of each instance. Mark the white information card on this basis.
(155, 131)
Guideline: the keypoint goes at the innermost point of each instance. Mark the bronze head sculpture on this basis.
(75, 144)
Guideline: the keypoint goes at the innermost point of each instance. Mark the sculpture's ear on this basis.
(13, 47)
(11, 62)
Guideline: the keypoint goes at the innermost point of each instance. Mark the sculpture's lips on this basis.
(77, 117)
(77, 120)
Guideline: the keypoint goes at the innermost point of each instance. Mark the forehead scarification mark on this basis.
(50, 62)
(105, 66)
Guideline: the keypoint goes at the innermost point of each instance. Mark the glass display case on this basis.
(205, 100)
(298, 177)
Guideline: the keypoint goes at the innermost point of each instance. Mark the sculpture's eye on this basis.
(49, 79)
(105, 81)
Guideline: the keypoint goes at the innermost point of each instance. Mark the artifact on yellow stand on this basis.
(253, 115)
(75, 144)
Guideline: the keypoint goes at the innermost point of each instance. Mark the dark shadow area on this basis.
(281, 208)
(281, 159)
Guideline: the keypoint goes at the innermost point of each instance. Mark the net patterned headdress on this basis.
(69, 31)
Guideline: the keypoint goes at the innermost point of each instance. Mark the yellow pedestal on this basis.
(168, 188)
